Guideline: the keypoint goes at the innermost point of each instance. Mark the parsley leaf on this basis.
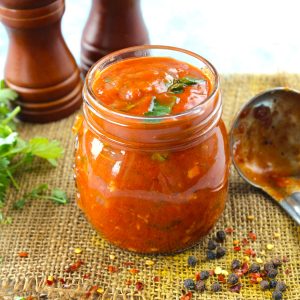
(59, 196)
(7, 95)
(158, 109)
(16, 153)
(42, 147)
(42, 192)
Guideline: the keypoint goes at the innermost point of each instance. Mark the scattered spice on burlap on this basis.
(50, 233)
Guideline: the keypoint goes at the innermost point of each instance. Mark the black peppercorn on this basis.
(216, 287)
(233, 279)
(254, 268)
(264, 284)
(272, 273)
(211, 254)
(277, 295)
(235, 264)
(268, 266)
(273, 283)
(192, 261)
(220, 236)
(212, 245)
(280, 286)
(189, 284)
(277, 262)
(200, 286)
(220, 252)
(204, 275)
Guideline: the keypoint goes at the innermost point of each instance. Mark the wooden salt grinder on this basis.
(112, 25)
(39, 65)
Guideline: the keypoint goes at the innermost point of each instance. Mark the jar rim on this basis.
(95, 105)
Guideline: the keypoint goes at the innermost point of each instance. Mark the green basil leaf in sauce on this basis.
(157, 109)
(179, 84)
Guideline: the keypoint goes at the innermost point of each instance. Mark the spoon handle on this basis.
(291, 205)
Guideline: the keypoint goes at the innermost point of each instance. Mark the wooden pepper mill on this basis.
(112, 25)
(39, 65)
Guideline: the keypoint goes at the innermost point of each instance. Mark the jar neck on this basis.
(161, 133)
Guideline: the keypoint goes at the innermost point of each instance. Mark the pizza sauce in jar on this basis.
(151, 158)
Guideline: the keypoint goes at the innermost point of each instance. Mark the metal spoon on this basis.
(265, 146)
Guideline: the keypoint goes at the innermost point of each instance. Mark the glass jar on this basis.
(152, 185)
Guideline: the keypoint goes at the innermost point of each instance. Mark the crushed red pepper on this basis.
(252, 236)
(112, 269)
(245, 242)
(250, 252)
(187, 296)
(91, 291)
(139, 286)
(221, 278)
(134, 271)
(23, 254)
(237, 248)
(74, 267)
(229, 230)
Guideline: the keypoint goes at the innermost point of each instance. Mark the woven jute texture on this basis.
(49, 233)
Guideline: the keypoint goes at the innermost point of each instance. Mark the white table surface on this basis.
(257, 36)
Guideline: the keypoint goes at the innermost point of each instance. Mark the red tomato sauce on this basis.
(131, 85)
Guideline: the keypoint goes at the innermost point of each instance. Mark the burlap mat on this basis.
(49, 233)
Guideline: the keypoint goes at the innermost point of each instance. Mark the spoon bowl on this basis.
(265, 146)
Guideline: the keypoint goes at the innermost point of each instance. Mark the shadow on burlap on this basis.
(50, 233)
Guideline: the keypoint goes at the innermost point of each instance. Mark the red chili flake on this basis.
(245, 268)
(23, 254)
(237, 248)
(221, 278)
(187, 296)
(61, 280)
(139, 286)
(211, 272)
(236, 288)
(86, 276)
(74, 267)
(91, 291)
(197, 276)
(285, 259)
(255, 278)
(239, 272)
(134, 271)
(287, 271)
(229, 230)
(250, 252)
(252, 236)
(156, 279)
(245, 242)
(128, 263)
(49, 282)
(128, 282)
(112, 269)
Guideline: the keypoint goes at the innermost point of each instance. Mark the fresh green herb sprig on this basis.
(42, 192)
(178, 85)
(16, 153)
